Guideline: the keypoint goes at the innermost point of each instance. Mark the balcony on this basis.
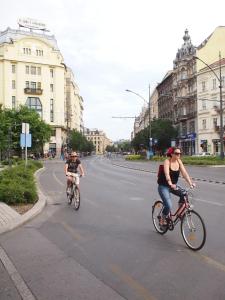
(31, 91)
(217, 128)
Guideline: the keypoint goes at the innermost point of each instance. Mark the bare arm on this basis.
(66, 168)
(185, 174)
(81, 169)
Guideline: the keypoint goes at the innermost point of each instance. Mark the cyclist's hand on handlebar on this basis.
(173, 186)
(193, 185)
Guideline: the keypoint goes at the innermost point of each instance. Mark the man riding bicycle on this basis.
(73, 165)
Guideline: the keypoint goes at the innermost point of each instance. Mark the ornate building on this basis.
(98, 138)
(185, 95)
(33, 73)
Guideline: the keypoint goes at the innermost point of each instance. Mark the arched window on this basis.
(183, 73)
(34, 103)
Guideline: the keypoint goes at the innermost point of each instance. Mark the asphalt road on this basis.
(109, 248)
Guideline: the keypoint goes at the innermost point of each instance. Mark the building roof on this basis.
(10, 35)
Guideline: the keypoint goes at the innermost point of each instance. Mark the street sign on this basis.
(25, 140)
(25, 128)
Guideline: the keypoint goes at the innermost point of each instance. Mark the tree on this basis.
(162, 130)
(79, 142)
(11, 127)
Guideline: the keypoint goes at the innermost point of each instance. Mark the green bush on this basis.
(17, 184)
(133, 157)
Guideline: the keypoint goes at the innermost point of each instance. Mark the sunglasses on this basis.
(177, 153)
(73, 155)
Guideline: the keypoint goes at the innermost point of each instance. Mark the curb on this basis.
(155, 172)
(33, 212)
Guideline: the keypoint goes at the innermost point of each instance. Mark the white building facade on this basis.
(32, 73)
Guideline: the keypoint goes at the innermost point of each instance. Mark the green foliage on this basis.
(211, 160)
(133, 157)
(111, 148)
(79, 142)
(17, 184)
(162, 130)
(11, 127)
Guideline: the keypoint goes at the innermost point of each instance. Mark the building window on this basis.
(27, 69)
(203, 104)
(192, 127)
(34, 103)
(27, 84)
(27, 51)
(214, 84)
(203, 86)
(53, 132)
(51, 87)
(204, 124)
(39, 85)
(33, 70)
(39, 70)
(51, 73)
(13, 69)
(13, 84)
(215, 121)
(13, 102)
(51, 110)
(183, 74)
(33, 85)
(222, 80)
(39, 52)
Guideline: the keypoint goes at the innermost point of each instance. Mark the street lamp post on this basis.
(149, 110)
(221, 102)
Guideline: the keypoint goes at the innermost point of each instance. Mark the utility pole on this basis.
(221, 113)
(150, 125)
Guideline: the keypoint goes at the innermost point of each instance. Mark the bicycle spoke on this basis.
(193, 230)
(156, 217)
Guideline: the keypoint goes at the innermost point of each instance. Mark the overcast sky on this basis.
(114, 45)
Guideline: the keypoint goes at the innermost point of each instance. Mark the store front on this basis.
(188, 143)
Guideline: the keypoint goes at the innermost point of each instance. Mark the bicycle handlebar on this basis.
(73, 174)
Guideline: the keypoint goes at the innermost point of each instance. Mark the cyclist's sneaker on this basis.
(68, 191)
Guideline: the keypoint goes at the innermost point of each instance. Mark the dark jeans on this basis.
(165, 194)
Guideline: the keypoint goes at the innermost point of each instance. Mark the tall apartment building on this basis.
(185, 96)
(208, 91)
(73, 103)
(98, 138)
(32, 73)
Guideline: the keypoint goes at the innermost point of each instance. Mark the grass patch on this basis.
(17, 184)
(188, 160)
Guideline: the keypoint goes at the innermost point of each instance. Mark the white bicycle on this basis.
(73, 192)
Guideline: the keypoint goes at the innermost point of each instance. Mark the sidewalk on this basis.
(10, 219)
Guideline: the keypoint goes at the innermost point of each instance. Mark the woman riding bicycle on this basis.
(168, 178)
(73, 165)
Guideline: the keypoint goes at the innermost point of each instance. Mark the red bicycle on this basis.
(191, 223)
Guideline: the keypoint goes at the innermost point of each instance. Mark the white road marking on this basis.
(127, 182)
(60, 182)
(20, 284)
(136, 198)
(209, 202)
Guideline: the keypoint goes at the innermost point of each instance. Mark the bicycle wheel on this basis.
(76, 198)
(157, 209)
(193, 230)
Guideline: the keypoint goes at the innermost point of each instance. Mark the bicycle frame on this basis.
(177, 216)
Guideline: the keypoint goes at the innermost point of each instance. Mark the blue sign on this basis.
(25, 140)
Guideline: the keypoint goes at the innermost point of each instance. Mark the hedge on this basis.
(17, 184)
